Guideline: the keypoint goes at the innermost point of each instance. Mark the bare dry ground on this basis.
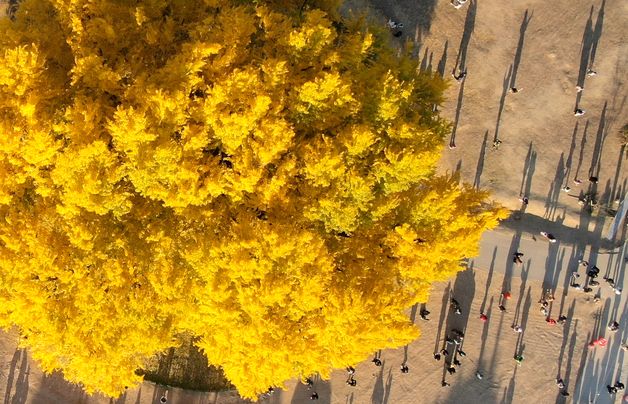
(544, 48)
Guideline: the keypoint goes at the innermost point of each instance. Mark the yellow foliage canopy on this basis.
(259, 176)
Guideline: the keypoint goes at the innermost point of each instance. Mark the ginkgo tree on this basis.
(260, 175)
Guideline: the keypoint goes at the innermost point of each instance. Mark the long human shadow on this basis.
(502, 101)
(489, 279)
(616, 191)
(583, 143)
(452, 139)
(11, 375)
(426, 62)
(566, 329)
(138, 400)
(581, 369)
(381, 391)
(481, 362)
(585, 50)
(443, 61)
(524, 322)
(569, 161)
(609, 362)
(508, 269)
(590, 372)
(597, 33)
(551, 266)
(528, 171)
(570, 353)
(441, 319)
(498, 339)
(577, 253)
(469, 26)
(600, 137)
(555, 188)
(21, 383)
(480, 167)
(413, 312)
(590, 39)
(524, 279)
(592, 187)
(519, 52)
(558, 266)
(509, 392)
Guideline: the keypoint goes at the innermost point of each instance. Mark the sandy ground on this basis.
(545, 48)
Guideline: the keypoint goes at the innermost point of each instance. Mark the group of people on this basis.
(452, 348)
(592, 273)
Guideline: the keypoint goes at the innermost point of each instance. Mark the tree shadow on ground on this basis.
(417, 13)
(463, 292)
(321, 387)
(186, 367)
(55, 385)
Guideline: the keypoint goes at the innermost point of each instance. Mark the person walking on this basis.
(549, 236)
(613, 326)
(610, 281)
(455, 306)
